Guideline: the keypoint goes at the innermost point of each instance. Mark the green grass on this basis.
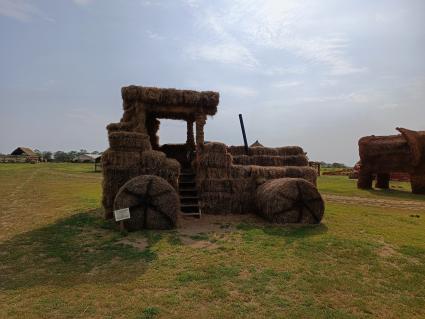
(342, 185)
(60, 259)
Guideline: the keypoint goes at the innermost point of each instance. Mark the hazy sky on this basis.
(319, 74)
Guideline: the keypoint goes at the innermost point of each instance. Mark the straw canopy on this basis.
(172, 103)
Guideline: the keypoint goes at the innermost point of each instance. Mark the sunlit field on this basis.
(60, 259)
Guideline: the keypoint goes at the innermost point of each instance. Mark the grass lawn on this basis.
(342, 185)
(60, 259)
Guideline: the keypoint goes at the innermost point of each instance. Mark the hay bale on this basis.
(156, 163)
(212, 172)
(215, 147)
(243, 203)
(290, 200)
(269, 172)
(152, 160)
(236, 150)
(170, 171)
(120, 127)
(125, 141)
(270, 151)
(216, 203)
(269, 160)
(120, 159)
(215, 185)
(153, 203)
(206, 100)
(240, 171)
(290, 150)
(307, 173)
(113, 179)
(215, 155)
(214, 159)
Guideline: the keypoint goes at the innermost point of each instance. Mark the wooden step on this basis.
(190, 182)
(189, 201)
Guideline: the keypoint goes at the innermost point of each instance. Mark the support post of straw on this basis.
(243, 134)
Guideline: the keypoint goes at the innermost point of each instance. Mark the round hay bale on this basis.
(153, 203)
(290, 200)
(129, 141)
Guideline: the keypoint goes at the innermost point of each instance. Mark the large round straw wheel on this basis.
(153, 203)
(290, 200)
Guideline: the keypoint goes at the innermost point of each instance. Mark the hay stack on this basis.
(121, 162)
(157, 163)
(214, 162)
(213, 179)
(227, 188)
(271, 160)
(270, 151)
(153, 203)
(290, 200)
(225, 196)
(153, 96)
(266, 173)
(113, 179)
(129, 141)
(119, 127)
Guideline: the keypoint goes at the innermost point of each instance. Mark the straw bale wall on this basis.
(225, 187)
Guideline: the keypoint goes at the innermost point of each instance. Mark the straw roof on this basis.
(256, 144)
(172, 103)
(23, 151)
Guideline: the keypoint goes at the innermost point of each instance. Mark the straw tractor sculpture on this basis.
(159, 183)
(382, 155)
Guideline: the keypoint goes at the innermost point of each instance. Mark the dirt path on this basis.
(364, 201)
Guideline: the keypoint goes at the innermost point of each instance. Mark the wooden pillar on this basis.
(190, 141)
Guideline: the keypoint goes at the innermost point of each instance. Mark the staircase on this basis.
(189, 201)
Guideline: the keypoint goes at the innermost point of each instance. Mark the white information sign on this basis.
(121, 214)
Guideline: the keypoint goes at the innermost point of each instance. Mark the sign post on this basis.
(121, 215)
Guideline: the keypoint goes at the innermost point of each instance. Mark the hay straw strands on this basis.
(269, 172)
(206, 100)
(120, 127)
(216, 203)
(120, 159)
(156, 163)
(269, 160)
(113, 179)
(277, 151)
(153, 203)
(129, 141)
(290, 200)
(217, 160)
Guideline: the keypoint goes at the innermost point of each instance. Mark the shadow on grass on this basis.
(79, 249)
(395, 194)
(289, 232)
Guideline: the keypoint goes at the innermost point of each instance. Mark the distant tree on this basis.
(61, 156)
(72, 155)
(46, 155)
(95, 152)
(82, 151)
(338, 165)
